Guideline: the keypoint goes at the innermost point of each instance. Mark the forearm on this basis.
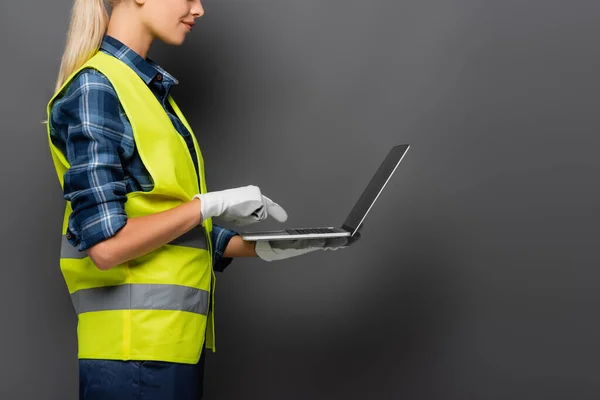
(142, 235)
(238, 247)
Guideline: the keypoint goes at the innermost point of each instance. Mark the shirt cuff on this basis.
(86, 233)
(220, 238)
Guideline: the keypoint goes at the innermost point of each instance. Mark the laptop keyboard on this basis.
(310, 230)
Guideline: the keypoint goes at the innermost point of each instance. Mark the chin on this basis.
(173, 40)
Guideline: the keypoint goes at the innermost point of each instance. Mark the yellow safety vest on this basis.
(154, 307)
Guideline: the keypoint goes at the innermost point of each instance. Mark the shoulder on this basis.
(87, 81)
(88, 94)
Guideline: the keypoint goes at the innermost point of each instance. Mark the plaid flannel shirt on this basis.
(89, 125)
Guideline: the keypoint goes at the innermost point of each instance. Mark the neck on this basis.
(128, 29)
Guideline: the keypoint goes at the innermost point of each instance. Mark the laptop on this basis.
(356, 216)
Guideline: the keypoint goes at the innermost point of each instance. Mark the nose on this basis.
(197, 9)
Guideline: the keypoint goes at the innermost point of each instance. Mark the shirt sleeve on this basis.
(220, 238)
(88, 123)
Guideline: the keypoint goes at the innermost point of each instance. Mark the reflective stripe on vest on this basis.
(141, 297)
(195, 238)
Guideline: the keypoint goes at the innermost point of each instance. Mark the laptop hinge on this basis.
(347, 228)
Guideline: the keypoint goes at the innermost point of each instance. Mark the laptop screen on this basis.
(375, 187)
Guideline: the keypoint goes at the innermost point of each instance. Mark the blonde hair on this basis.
(89, 20)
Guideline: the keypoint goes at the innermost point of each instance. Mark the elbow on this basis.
(101, 256)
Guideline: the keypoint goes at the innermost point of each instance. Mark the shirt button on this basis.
(159, 77)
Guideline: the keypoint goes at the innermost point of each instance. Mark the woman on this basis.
(139, 248)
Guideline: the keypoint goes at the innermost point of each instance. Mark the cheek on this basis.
(165, 23)
(165, 17)
(171, 32)
(167, 26)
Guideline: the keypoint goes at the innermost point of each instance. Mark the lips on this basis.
(190, 24)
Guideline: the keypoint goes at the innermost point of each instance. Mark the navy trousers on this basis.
(140, 380)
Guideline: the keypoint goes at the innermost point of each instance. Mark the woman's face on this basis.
(171, 20)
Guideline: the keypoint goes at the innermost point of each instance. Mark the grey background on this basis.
(477, 275)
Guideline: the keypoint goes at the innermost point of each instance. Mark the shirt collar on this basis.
(145, 68)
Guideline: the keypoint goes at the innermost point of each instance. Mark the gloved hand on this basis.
(271, 250)
(242, 206)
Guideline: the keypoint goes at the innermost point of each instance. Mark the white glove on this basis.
(270, 250)
(242, 206)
